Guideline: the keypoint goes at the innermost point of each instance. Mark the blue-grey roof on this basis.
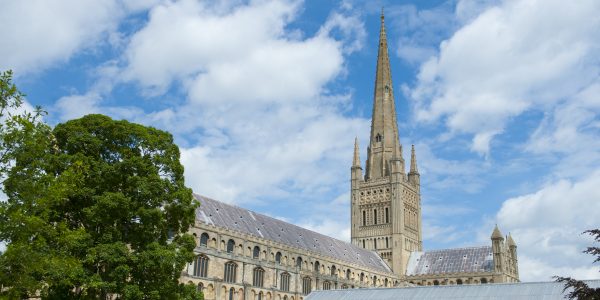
(498, 291)
(235, 218)
(459, 260)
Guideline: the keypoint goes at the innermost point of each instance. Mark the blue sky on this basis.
(264, 98)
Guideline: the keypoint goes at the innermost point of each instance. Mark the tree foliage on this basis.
(577, 288)
(95, 208)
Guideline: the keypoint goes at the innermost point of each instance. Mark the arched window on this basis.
(306, 285)
(483, 280)
(387, 244)
(231, 292)
(200, 287)
(348, 274)
(230, 246)
(204, 240)
(317, 266)
(201, 266)
(326, 285)
(375, 216)
(256, 252)
(378, 138)
(230, 272)
(259, 297)
(259, 275)
(285, 297)
(333, 271)
(344, 287)
(278, 257)
(374, 280)
(459, 281)
(285, 282)
(435, 282)
(364, 218)
(364, 244)
(375, 243)
(362, 277)
(299, 262)
(387, 215)
(385, 282)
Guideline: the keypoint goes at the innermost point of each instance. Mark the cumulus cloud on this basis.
(511, 58)
(256, 95)
(38, 33)
(547, 226)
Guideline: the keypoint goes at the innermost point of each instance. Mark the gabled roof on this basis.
(459, 260)
(235, 218)
(496, 291)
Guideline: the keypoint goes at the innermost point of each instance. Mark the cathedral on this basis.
(242, 254)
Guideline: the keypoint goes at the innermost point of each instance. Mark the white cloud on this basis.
(267, 125)
(39, 33)
(547, 225)
(238, 54)
(250, 158)
(514, 57)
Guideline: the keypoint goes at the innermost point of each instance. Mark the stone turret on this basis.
(413, 175)
(356, 178)
(512, 250)
(498, 250)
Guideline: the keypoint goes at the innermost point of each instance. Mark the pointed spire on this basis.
(356, 160)
(497, 235)
(413, 161)
(510, 241)
(384, 127)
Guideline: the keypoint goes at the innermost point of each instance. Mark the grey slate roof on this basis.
(497, 291)
(235, 218)
(459, 260)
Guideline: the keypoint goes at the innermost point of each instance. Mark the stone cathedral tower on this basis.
(386, 202)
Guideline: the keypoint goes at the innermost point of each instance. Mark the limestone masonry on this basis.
(246, 255)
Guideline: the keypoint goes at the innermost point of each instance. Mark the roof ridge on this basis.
(322, 239)
(461, 248)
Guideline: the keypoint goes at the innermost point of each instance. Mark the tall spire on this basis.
(413, 161)
(356, 160)
(384, 128)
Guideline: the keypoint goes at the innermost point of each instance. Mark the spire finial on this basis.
(511, 242)
(356, 160)
(496, 234)
(413, 161)
(382, 16)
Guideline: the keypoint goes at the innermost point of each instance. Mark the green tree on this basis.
(96, 208)
(579, 289)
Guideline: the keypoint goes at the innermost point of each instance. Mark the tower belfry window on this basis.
(378, 138)
(375, 216)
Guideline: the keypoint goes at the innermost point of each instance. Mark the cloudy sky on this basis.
(264, 98)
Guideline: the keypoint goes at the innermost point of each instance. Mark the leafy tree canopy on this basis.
(96, 208)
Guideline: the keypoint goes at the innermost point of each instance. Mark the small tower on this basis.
(498, 250)
(356, 178)
(413, 175)
(512, 249)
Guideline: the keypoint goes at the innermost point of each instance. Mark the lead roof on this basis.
(235, 218)
(496, 291)
(459, 260)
